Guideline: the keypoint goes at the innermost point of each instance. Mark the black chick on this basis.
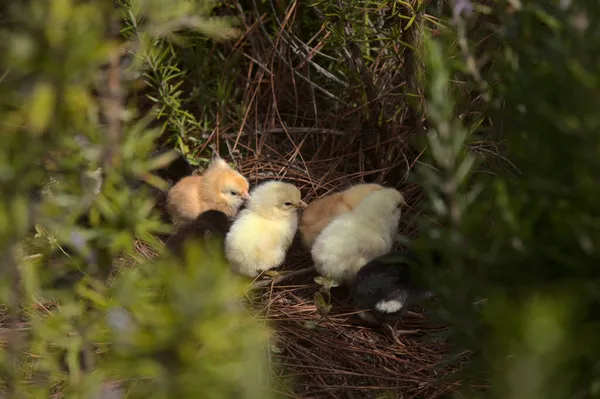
(209, 225)
(383, 290)
(176, 170)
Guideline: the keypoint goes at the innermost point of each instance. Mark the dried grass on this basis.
(341, 357)
(338, 356)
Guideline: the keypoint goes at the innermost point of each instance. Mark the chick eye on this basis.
(234, 193)
(288, 203)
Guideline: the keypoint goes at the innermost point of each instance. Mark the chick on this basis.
(220, 188)
(261, 235)
(321, 211)
(176, 170)
(210, 225)
(354, 238)
(383, 290)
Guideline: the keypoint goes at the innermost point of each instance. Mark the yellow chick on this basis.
(321, 211)
(220, 188)
(354, 238)
(263, 232)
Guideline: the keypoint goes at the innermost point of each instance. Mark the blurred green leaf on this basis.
(41, 106)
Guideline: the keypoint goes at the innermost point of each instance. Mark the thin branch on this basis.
(296, 73)
(282, 278)
(15, 334)
(298, 130)
(112, 101)
(410, 37)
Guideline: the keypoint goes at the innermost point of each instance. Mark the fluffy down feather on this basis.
(320, 212)
(383, 288)
(210, 225)
(354, 238)
(261, 235)
(220, 188)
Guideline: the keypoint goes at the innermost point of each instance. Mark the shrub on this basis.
(152, 330)
(520, 286)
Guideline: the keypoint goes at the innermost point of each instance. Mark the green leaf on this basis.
(322, 306)
(41, 106)
(309, 324)
(85, 291)
(326, 282)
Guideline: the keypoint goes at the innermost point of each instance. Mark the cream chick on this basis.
(354, 238)
(219, 188)
(321, 211)
(263, 232)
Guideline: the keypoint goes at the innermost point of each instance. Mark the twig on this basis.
(282, 278)
(296, 73)
(112, 101)
(306, 130)
(410, 68)
(14, 335)
(298, 51)
(470, 61)
(354, 55)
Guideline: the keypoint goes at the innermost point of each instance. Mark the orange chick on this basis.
(321, 211)
(219, 188)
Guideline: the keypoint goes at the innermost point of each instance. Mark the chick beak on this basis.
(301, 205)
(245, 195)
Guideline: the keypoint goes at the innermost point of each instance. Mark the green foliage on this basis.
(188, 81)
(346, 65)
(71, 152)
(192, 335)
(519, 285)
(376, 45)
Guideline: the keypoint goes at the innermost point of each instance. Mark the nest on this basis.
(337, 355)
